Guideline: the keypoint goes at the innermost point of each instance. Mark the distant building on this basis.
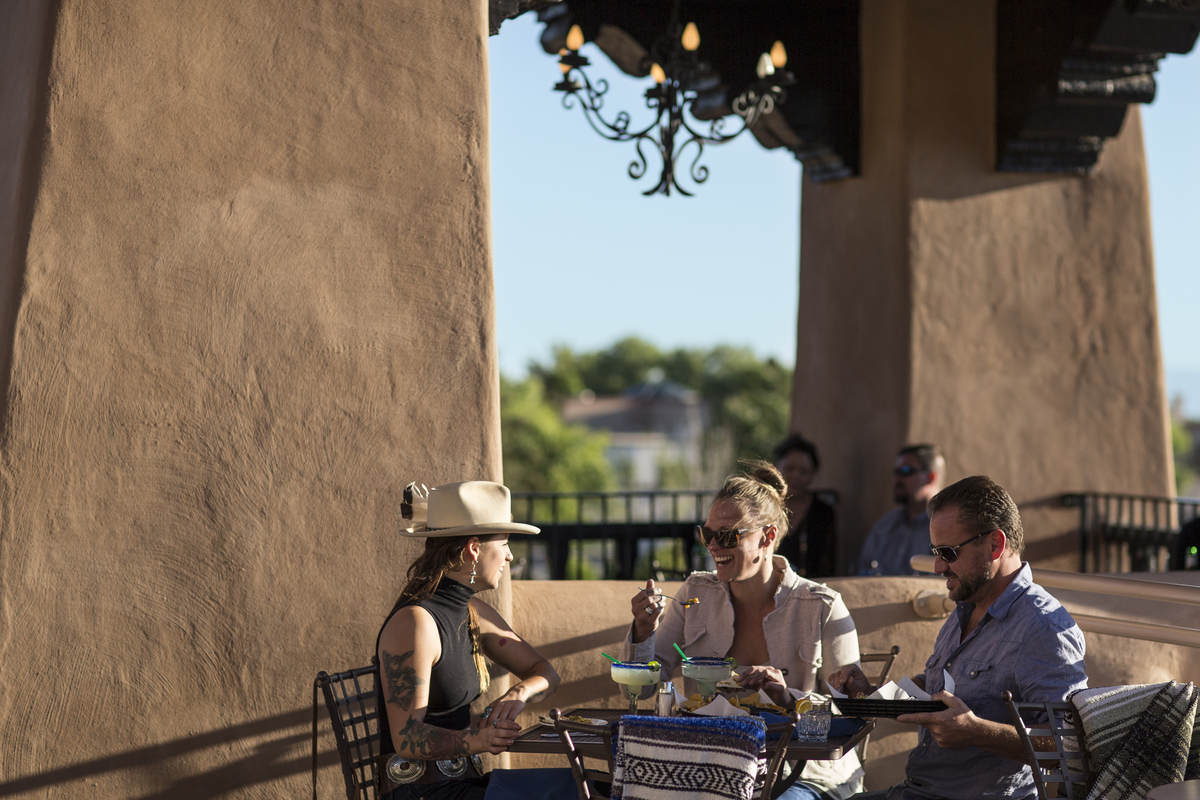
(657, 430)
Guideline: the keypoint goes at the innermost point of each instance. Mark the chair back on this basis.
(585, 779)
(1056, 723)
(351, 699)
(768, 777)
(887, 660)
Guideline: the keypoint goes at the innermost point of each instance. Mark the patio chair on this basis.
(1066, 765)
(351, 699)
(768, 784)
(586, 780)
(887, 659)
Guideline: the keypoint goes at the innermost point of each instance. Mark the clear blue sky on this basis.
(582, 259)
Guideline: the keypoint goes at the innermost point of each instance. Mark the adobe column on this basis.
(1008, 318)
(245, 269)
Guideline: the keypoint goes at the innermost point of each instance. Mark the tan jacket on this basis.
(810, 634)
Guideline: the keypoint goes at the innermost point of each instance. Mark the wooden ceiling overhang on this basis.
(1066, 70)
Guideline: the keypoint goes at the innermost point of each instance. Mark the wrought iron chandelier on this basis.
(680, 77)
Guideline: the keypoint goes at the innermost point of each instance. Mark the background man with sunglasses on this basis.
(1007, 633)
(903, 532)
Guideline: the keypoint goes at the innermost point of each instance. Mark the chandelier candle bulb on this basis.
(778, 55)
(575, 38)
(691, 38)
(765, 66)
(656, 72)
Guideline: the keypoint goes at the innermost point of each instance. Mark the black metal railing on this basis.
(608, 535)
(1131, 533)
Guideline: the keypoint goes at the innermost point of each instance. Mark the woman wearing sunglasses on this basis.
(788, 633)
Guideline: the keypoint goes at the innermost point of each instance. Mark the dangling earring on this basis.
(474, 566)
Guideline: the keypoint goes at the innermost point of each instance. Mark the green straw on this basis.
(685, 656)
(610, 658)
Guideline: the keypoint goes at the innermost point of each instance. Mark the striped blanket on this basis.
(1139, 737)
(692, 758)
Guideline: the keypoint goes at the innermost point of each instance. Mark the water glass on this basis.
(814, 723)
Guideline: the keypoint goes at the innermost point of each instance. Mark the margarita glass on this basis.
(707, 672)
(634, 676)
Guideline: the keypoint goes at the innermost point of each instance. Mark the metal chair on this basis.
(585, 779)
(351, 699)
(769, 784)
(1067, 764)
(887, 659)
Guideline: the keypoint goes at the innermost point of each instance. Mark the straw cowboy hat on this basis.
(469, 508)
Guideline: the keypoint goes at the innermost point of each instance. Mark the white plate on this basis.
(579, 720)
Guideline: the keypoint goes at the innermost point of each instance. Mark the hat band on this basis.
(472, 525)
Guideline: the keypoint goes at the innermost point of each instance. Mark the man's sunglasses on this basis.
(729, 538)
(950, 554)
(905, 470)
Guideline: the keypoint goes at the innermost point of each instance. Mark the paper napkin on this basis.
(720, 707)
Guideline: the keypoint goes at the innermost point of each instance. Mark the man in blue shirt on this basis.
(1007, 633)
(903, 532)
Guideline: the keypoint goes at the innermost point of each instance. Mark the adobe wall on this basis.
(571, 622)
(1009, 318)
(247, 248)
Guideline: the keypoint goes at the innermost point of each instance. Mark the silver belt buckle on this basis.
(402, 770)
(453, 767)
(477, 762)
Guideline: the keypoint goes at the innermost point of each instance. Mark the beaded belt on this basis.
(399, 771)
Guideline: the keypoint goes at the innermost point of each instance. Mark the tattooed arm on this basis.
(538, 678)
(408, 649)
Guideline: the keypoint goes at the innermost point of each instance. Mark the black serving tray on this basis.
(885, 708)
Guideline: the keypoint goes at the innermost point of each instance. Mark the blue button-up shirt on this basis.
(893, 540)
(1026, 643)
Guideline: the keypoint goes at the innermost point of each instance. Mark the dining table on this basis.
(543, 739)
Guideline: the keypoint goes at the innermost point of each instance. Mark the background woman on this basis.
(811, 543)
(431, 648)
(788, 633)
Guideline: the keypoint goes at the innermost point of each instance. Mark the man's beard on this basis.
(968, 585)
(900, 496)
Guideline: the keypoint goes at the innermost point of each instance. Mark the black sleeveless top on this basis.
(454, 680)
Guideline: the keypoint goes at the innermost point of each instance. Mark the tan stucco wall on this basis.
(256, 299)
(570, 622)
(1009, 318)
(23, 64)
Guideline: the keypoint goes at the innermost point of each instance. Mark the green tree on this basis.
(749, 398)
(541, 452)
(1185, 459)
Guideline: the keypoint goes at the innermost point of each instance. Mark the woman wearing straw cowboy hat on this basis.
(431, 649)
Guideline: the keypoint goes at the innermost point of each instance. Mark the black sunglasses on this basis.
(905, 470)
(950, 554)
(729, 538)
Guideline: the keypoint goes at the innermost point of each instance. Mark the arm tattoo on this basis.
(432, 743)
(402, 681)
(539, 697)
